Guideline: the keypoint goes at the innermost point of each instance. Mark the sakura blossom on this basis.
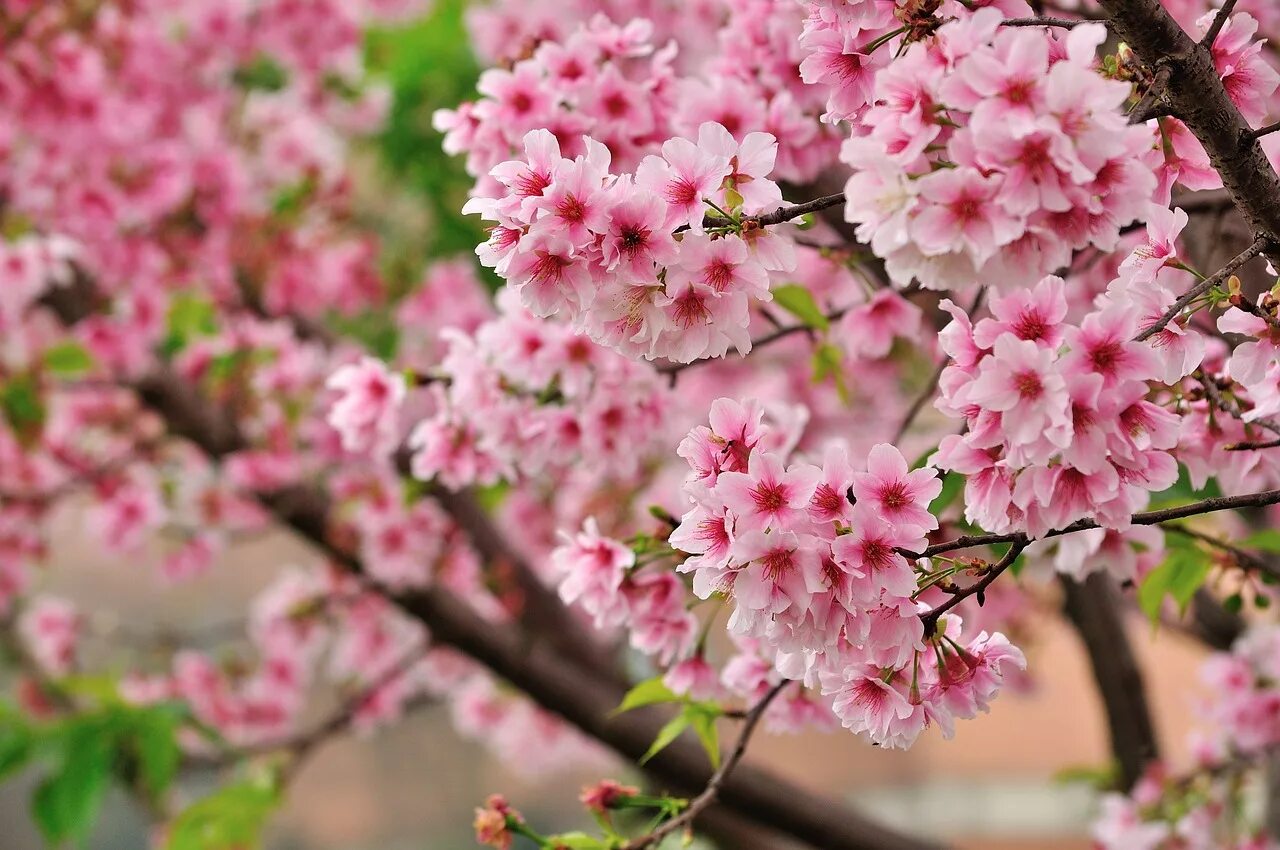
(670, 375)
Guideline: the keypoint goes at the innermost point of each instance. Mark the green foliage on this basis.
(66, 803)
(701, 717)
(576, 841)
(428, 66)
(17, 741)
(828, 363)
(231, 818)
(68, 359)
(262, 73)
(1098, 777)
(798, 301)
(1182, 493)
(1180, 575)
(22, 406)
(189, 317)
(82, 754)
(649, 692)
(1267, 540)
(952, 487)
(375, 330)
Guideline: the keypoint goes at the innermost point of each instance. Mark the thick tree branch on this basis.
(577, 691)
(1063, 23)
(1093, 607)
(1198, 98)
(563, 682)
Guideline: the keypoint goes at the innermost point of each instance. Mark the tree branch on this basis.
(1064, 23)
(1207, 506)
(1267, 130)
(1202, 287)
(562, 682)
(708, 795)
(1093, 607)
(1219, 20)
(992, 573)
(1197, 96)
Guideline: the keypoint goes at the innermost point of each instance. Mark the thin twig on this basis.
(1248, 446)
(1219, 21)
(992, 573)
(708, 795)
(1207, 506)
(1064, 23)
(781, 214)
(1267, 130)
(1244, 559)
(673, 369)
(1258, 246)
(932, 387)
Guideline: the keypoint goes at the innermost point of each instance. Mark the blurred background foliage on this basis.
(428, 65)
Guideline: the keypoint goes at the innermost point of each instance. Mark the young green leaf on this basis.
(703, 720)
(66, 803)
(798, 301)
(576, 841)
(1265, 541)
(952, 487)
(231, 818)
(649, 692)
(1180, 576)
(666, 735)
(68, 359)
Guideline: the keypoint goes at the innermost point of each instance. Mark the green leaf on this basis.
(666, 735)
(828, 363)
(952, 487)
(576, 841)
(232, 818)
(703, 720)
(263, 73)
(923, 459)
(1180, 576)
(153, 742)
(1098, 777)
(1265, 541)
(798, 301)
(66, 803)
(16, 742)
(189, 317)
(68, 359)
(649, 692)
(22, 406)
(375, 330)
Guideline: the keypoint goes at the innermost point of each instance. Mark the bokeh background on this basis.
(1011, 780)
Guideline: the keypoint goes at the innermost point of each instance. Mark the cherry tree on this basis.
(804, 342)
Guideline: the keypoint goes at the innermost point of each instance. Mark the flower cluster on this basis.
(1059, 427)
(634, 86)
(1206, 809)
(367, 412)
(523, 395)
(990, 153)
(627, 257)
(816, 563)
